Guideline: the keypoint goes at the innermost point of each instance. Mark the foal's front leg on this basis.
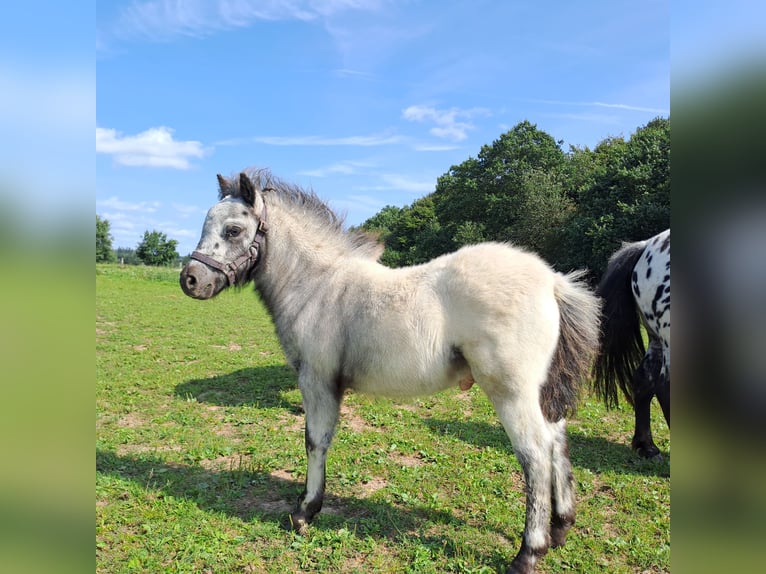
(321, 403)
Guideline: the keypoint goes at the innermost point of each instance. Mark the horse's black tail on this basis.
(622, 346)
(578, 344)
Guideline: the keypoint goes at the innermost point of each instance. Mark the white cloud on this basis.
(447, 123)
(154, 147)
(163, 20)
(626, 107)
(435, 147)
(398, 182)
(357, 207)
(347, 73)
(404, 183)
(120, 205)
(342, 168)
(186, 210)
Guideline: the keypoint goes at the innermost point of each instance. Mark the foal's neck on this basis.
(300, 251)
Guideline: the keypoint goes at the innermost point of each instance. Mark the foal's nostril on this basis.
(191, 281)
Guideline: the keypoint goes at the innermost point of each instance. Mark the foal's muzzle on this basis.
(201, 282)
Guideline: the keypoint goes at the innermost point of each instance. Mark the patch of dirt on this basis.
(140, 347)
(401, 459)
(283, 474)
(232, 346)
(351, 420)
(408, 407)
(125, 449)
(372, 486)
(225, 463)
(131, 421)
(269, 504)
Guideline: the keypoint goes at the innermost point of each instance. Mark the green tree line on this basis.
(574, 208)
(154, 249)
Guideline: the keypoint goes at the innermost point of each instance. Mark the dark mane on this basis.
(309, 203)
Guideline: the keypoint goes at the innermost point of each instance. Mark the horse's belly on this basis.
(402, 384)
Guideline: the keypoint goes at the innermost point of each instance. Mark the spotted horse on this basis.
(635, 290)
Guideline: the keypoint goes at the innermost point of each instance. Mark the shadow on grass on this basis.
(261, 387)
(264, 387)
(257, 495)
(594, 453)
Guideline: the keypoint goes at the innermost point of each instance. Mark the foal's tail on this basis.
(579, 315)
(622, 346)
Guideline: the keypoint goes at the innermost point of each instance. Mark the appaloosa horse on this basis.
(490, 314)
(635, 289)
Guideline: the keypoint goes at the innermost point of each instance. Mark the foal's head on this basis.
(231, 242)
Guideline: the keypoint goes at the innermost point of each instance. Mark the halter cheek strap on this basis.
(249, 257)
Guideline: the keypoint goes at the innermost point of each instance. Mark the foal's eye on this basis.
(232, 232)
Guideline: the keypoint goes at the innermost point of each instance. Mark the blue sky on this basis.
(367, 102)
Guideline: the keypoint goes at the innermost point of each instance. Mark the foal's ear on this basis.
(223, 187)
(246, 189)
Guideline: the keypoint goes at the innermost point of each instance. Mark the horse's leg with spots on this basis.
(321, 402)
(563, 494)
(663, 394)
(645, 381)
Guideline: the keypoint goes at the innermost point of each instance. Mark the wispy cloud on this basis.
(435, 147)
(361, 206)
(164, 20)
(154, 147)
(451, 124)
(398, 182)
(120, 205)
(340, 168)
(346, 73)
(626, 107)
(404, 183)
(186, 210)
(585, 117)
(362, 141)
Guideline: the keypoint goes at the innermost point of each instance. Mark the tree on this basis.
(157, 249)
(490, 190)
(626, 197)
(104, 251)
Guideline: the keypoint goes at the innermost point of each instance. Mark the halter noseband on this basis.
(251, 256)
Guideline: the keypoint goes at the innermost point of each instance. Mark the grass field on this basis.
(199, 458)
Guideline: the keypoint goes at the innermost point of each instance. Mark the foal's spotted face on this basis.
(228, 229)
(227, 234)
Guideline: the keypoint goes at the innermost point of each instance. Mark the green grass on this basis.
(199, 458)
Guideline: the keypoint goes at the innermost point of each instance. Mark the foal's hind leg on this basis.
(645, 382)
(321, 402)
(563, 494)
(533, 444)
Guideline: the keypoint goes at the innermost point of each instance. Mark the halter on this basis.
(251, 256)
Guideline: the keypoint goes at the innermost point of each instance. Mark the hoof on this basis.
(649, 452)
(525, 560)
(299, 524)
(646, 449)
(559, 529)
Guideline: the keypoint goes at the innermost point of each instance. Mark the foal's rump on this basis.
(487, 312)
(522, 327)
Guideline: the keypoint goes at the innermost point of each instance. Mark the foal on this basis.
(487, 313)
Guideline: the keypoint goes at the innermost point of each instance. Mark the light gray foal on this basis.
(490, 314)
